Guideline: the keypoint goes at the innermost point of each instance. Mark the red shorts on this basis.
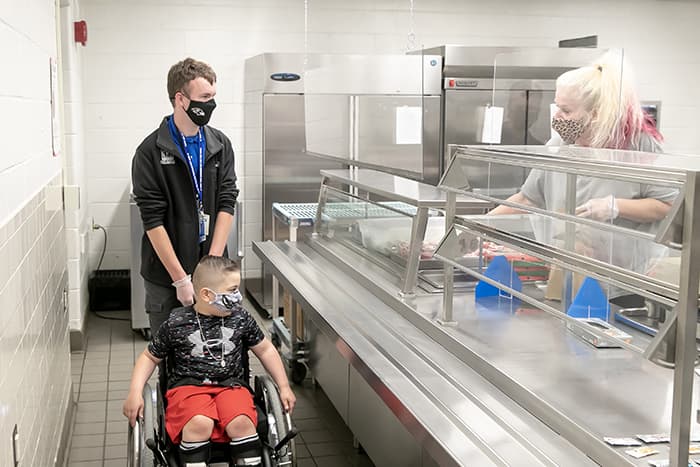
(221, 404)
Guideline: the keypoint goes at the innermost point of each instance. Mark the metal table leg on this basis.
(275, 283)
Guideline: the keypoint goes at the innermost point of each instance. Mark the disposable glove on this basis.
(184, 290)
(599, 209)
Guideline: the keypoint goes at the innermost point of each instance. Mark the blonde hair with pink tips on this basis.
(615, 116)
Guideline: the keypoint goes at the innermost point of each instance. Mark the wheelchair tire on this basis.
(147, 429)
(273, 406)
(266, 457)
(138, 454)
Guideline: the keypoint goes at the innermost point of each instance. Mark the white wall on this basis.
(35, 381)
(133, 43)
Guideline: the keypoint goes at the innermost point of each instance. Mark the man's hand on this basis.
(599, 209)
(185, 290)
(133, 407)
(288, 399)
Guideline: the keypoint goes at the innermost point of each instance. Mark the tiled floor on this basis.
(101, 377)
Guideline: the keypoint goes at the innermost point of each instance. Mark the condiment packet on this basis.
(655, 438)
(640, 452)
(667, 463)
(622, 441)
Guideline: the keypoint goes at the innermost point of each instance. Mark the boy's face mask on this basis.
(226, 302)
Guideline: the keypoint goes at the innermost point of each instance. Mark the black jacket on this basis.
(165, 194)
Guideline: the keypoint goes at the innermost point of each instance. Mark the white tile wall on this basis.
(133, 43)
(35, 381)
(34, 345)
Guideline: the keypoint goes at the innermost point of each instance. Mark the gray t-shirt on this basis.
(547, 190)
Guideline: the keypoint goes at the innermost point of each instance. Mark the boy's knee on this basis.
(240, 426)
(199, 428)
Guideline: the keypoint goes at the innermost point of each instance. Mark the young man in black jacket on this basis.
(184, 184)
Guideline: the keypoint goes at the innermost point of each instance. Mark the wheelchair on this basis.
(149, 445)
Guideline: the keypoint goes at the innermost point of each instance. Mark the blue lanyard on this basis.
(197, 181)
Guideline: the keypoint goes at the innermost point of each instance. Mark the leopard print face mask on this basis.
(569, 130)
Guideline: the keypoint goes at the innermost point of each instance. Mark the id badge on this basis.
(203, 226)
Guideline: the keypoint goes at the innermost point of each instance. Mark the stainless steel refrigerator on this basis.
(275, 156)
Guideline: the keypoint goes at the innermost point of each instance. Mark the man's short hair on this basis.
(185, 71)
(210, 270)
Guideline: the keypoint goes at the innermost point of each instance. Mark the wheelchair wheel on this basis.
(138, 454)
(279, 423)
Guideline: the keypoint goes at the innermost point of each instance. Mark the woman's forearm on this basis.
(642, 210)
(517, 198)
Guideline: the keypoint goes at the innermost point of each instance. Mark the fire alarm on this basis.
(80, 31)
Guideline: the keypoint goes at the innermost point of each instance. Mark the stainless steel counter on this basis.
(495, 390)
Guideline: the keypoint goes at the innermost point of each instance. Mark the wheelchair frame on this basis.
(148, 444)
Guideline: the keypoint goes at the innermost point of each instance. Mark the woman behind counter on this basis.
(597, 107)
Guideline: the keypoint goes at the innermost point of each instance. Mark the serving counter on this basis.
(452, 376)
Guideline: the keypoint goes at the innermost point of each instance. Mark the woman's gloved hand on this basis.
(599, 209)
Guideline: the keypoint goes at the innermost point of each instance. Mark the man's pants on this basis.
(160, 300)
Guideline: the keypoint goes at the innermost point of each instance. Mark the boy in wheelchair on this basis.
(208, 397)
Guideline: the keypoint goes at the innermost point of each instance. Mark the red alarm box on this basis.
(80, 31)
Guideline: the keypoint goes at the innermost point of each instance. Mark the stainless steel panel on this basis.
(329, 368)
(376, 137)
(462, 124)
(373, 75)
(380, 433)
(289, 174)
(538, 117)
(139, 317)
(258, 71)
(512, 62)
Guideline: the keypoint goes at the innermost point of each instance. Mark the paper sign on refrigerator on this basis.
(409, 125)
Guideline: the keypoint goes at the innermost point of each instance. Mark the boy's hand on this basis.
(288, 399)
(133, 407)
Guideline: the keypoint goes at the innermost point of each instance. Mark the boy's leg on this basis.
(195, 447)
(238, 417)
(190, 419)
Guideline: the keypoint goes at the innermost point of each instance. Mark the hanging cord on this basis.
(99, 265)
(104, 245)
(411, 36)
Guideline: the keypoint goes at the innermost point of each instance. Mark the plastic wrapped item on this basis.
(528, 268)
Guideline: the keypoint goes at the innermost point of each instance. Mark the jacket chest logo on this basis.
(166, 159)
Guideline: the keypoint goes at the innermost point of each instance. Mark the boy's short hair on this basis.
(210, 269)
(185, 71)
